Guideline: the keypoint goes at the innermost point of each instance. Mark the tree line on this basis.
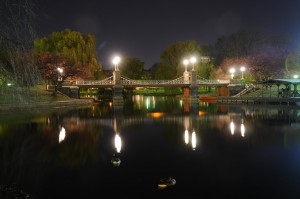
(26, 60)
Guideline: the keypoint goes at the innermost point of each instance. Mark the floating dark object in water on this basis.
(165, 183)
(116, 161)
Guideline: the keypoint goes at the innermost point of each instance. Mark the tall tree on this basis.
(171, 58)
(74, 46)
(56, 68)
(263, 55)
(132, 68)
(16, 37)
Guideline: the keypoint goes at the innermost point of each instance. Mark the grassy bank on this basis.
(35, 97)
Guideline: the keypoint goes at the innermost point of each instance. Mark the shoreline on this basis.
(45, 105)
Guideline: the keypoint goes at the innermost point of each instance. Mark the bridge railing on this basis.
(127, 81)
(107, 81)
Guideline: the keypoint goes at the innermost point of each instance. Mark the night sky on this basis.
(143, 29)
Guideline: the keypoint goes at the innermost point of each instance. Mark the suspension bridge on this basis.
(189, 83)
(127, 82)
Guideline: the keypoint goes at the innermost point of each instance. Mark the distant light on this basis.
(295, 76)
(116, 60)
(60, 70)
(185, 62)
(232, 70)
(9, 84)
(193, 60)
(243, 69)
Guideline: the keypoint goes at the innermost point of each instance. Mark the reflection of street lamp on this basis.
(193, 60)
(232, 71)
(186, 136)
(232, 127)
(194, 141)
(116, 61)
(295, 76)
(185, 63)
(118, 143)
(242, 70)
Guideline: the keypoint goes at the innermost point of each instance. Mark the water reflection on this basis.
(161, 130)
(243, 129)
(194, 140)
(186, 136)
(118, 143)
(232, 126)
(62, 134)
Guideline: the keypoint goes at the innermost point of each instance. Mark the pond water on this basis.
(211, 150)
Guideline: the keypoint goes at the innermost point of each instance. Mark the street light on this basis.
(185, 62)
(116, 61)
(60, 70)
(232, 71)
(242, 70)
(295, 76)
(193, 60)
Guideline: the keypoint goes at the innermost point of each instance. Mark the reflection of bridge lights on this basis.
(243, 130)
(147, 103)
(232, 127)
(62, 135)
(201, 113)
(204, 104)
(186, 136)
(156, 114)
(194, 142)
(118, 143)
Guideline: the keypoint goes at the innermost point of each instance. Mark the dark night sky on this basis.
(143, 29)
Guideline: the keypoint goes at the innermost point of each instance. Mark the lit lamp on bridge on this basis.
(242, 70)
(193, 61)
(232, 71)
(116, 61)
(185, 63)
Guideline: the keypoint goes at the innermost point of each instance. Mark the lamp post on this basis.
(232, 71)
(193, 60)
(185, 63)
(242, 70)
(60, 71)
(116, 61)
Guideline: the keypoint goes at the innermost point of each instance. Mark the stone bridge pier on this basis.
(117, 88)
(194, 87)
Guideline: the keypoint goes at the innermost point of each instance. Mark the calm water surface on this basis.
(211, 150)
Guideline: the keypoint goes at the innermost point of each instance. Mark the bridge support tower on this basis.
(193, 87)
(117, 88)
